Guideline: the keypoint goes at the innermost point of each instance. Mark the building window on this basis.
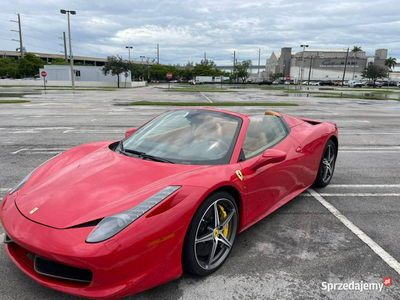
(78, 73)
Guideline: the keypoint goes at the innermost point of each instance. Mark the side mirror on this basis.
(270, 156)
(129, 131)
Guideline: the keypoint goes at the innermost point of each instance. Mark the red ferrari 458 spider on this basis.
(109, 219)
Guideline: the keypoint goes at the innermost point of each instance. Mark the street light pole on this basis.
(302, 67)
(71, 57)
(345, 65)
(129, 52)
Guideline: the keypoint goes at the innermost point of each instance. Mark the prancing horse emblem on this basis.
(239, 174)
(33, 210)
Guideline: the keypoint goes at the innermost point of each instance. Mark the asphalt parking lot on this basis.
(347, 232)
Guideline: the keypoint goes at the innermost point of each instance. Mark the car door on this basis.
(272, 183)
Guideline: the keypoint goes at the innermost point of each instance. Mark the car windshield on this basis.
(186, 136)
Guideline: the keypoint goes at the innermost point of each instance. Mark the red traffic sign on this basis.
(43, 73)
(169, 75)
(288, 78)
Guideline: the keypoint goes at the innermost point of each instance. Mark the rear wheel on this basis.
(327, 165)
(210, 235)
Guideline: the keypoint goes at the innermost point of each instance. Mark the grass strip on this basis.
(198, 90)
(212, 104)
(70, 89)
(355, 97)
(13, 101)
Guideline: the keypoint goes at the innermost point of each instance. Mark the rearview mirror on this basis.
(129, 131)
(270, 156)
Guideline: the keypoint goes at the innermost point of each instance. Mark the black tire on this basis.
(326, 165)
(204, 238)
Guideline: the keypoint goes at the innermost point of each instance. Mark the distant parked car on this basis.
(326, 82)
(314, 83)
(353, 84)
(305, 83)
(391, 83)
(277, 81)
(268, 82)
(375, 84)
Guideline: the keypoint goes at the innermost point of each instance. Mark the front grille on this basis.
(51, 268)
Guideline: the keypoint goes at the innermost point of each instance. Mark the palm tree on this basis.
(355, 50)
(390, 63)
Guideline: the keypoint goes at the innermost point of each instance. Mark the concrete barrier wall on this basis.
(52, 83)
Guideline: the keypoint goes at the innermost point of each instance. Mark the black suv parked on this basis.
(326, 82)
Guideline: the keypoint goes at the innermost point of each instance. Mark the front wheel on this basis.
(210, 235)
(326, 165)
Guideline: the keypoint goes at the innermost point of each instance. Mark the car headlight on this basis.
(21, 184)
(111, 225)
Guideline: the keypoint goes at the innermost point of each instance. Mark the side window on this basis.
(78, 73)
(263, 132)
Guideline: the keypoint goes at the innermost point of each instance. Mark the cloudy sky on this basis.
(186, 29)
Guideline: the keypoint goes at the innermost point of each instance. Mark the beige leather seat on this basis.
(255, 138)
(210, 129)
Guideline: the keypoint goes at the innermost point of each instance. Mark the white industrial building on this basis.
(321, 64)
(85, 76)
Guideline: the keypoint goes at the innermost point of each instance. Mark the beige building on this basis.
(321, 64)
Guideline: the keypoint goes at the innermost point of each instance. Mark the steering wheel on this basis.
(221, 144)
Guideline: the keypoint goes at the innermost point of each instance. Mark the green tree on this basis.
(355, 50)
(116, 66)
(390, 62)
(29, 65)
(242, 70)
(9, 67)
(275, 76)
(158, 72)
(374, 72)
(59, 61)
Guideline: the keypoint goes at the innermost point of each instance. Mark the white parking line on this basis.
(92, 130)
(368, 151)
(360, 194)
(2, 238)
(206, 97)
(365, 185)
(46, 150)
(4, 189)
(369, 133)
(390, 260)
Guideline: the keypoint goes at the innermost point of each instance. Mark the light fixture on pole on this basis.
(141, 56)
(129, 52)
(302, 65)
(71, 57)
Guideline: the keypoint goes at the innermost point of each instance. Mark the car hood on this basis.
(93, 186)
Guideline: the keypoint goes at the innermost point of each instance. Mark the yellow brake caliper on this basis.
(222, 216)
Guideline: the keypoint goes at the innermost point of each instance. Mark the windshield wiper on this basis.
(142, 154)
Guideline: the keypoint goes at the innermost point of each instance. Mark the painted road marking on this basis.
(46, 150)
(368, 151)
(360, 194)
(206, 97)
(369, 133)
(4, 189)
(390, 260)
(2, 238)
(365, 185)
(92, 130)
(370, 148)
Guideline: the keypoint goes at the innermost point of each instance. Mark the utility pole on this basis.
(309, 71)
(158, 53)
(20, 35)
(345, 65)
(205, 57)
(234, 62)
(129, 52)
(259, 56)
(71, 57)
(141, 56)
(302, 67)
(65, 47)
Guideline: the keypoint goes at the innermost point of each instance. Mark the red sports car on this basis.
(109, 219)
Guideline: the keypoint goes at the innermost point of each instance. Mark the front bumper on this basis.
(142, 256)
